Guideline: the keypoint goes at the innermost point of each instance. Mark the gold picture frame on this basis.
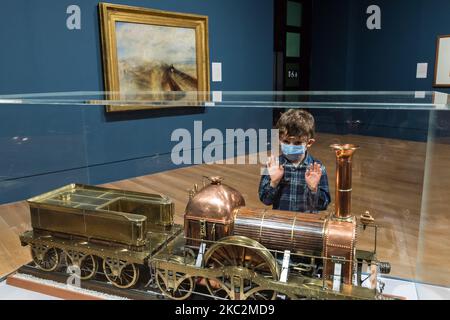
(150, 51)
(442, 64)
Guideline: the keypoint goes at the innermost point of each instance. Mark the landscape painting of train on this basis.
(155, 58)
(153, 55)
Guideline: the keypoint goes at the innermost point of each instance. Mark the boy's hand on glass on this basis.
(276, 171)
(313, 175)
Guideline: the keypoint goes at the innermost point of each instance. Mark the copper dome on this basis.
(214, 202)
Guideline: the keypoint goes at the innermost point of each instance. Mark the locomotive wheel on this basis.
(87, 263)
(46, 258)
(120, 273)
(175, 285)
(241, 252)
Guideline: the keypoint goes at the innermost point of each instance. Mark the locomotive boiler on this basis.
(227, 250)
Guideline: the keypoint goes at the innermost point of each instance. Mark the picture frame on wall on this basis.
(153, 55)
(442, 66)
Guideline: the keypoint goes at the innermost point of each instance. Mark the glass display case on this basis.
(175, 144)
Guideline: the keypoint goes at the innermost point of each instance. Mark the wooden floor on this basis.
(388, 181)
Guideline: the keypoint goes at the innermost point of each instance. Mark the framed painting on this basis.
(152, 55)
(442, 66)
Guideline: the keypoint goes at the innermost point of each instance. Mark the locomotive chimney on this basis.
(343, 197)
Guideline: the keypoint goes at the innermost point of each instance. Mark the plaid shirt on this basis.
(292, 193)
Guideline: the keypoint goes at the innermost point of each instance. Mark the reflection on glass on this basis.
(408, 100)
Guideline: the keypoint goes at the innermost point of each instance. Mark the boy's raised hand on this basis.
(313, 175)
(276, 171)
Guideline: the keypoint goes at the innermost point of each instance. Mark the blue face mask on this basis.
(292, 152)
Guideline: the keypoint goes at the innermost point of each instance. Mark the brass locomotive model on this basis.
(229, 250)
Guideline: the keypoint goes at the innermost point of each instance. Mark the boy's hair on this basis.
(296, 122)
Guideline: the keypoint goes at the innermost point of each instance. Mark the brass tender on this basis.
(100, 214)
(88, 225)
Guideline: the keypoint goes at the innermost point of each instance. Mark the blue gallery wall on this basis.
(43, 147)
(348, 56)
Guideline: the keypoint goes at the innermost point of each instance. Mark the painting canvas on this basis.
(155, 58)
(153, 55)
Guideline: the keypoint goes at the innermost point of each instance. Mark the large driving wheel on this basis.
(242, 253)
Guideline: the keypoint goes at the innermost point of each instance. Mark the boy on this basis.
(296, 181)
